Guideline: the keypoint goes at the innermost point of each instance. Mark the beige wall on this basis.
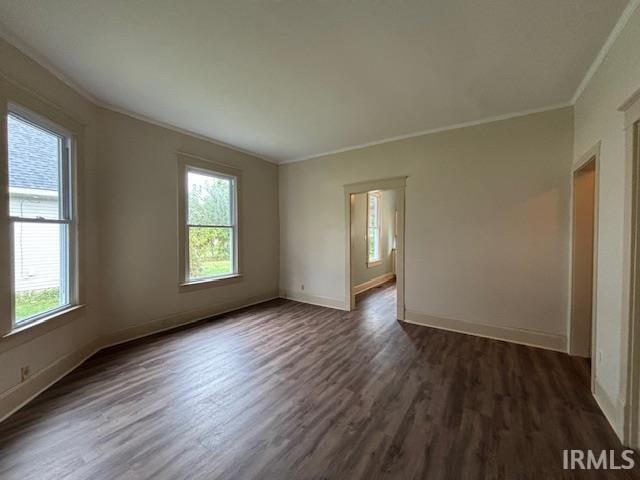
(487, 222)
(360, 271)
(79, 330)
(597, 119)
(129, 235)
(138, 229)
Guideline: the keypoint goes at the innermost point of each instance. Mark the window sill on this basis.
(209, 282)
(26, 333)
(374, 264)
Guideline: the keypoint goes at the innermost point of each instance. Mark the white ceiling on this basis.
(291, 79)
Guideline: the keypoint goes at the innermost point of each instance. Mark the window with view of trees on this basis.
(373, 228)
(41, 217)
(211, 226)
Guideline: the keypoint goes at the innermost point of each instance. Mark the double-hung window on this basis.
(209, 207)
(40, 216)
(374, 249)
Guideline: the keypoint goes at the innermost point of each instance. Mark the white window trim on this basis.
(375, 261)
(16, 95)
(188, 162)
(69, 192)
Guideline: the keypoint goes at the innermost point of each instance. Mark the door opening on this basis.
(583, 259)
(384, 245)
(373, 244)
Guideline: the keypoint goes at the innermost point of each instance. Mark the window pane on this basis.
(40, 274)
(34, 170)
(209, 199)
(374, 244)
(210, 252)
(373, 211)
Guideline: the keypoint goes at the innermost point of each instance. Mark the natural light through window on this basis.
(373, 228)
(41, 217)
(211, 225)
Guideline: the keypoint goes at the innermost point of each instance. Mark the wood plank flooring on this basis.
(285, 390)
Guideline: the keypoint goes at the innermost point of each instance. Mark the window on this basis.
(41, 216)
(210, 231)
(374, 254)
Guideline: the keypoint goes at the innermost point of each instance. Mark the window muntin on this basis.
(374, 251)
(211, 235)
(40, 213)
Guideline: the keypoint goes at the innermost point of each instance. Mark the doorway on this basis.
(374, 238)
(373, 242)
(583, 258)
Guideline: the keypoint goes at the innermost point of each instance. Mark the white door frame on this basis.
(630, 374)
(394, 183)
(592, 154)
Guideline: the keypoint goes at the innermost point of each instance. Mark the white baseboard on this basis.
(19, 395)
(612, 410)
(178, 320)
(374, 282)
(522, 336)
(313, 299)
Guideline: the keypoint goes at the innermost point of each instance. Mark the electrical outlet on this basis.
(25, 372)
(599, 357)
(302, 287)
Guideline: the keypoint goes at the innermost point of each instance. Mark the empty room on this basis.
(342, 239)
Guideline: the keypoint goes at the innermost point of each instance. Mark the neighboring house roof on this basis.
(33, 156)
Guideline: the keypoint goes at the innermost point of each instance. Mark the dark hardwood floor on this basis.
(287, 390)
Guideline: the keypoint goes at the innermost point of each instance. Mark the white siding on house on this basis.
(37, 256)
(36, 246)
(33, 203)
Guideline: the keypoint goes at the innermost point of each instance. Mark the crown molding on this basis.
(495, 118)
(191, 133)
(13, 40)
(613, 36)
